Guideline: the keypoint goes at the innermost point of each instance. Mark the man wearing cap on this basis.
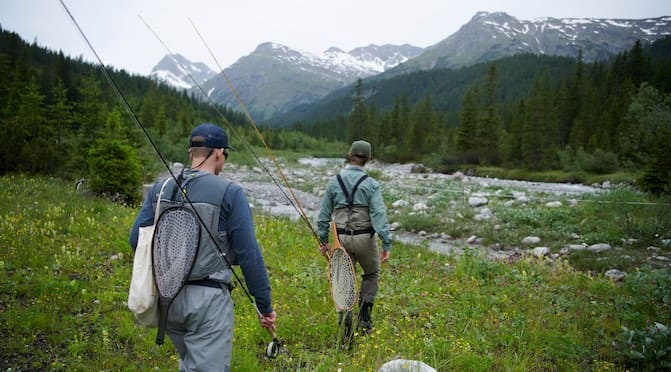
(354, 200)
(200, 319)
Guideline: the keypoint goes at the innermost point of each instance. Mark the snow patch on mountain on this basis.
(179, 72)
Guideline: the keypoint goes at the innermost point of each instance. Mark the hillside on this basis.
(445, 86)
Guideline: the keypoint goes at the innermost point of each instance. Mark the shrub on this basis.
(648, 349)
(597, 162)
(114, 170)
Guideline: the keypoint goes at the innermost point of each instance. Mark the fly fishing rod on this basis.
(293, 199)
(341, 272)
(272, 348)
(224, 119)
(297, 204)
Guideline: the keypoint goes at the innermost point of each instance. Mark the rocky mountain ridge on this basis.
(274, 79)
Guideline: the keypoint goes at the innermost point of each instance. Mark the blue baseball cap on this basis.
(209, 135)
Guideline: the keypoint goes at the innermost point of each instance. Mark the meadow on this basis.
(65, 267)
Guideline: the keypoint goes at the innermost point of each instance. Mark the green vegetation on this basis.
(528, 112)
(65, 267)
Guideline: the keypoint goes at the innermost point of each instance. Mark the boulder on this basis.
(406, 365)
(531, 240)
(600, 247)
(615, 274)
(541, 251)
(477, 201)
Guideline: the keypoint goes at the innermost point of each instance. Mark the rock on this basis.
(576, 247)
(606, 185)
(554, 204)
(420, 207)
(394, 226)
(406, 365)
(484, 214)
(419, 168)
(615, 274)
(531, 240)
(541, 251)
(523, 199)
(176, 167)
(600, 247)
(471, 239)
(477, 201)
(458, 176)
(399, 203)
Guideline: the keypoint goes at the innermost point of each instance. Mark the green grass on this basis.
(65, 268)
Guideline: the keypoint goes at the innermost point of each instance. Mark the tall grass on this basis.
(65, 268)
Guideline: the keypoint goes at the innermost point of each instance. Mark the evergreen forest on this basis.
(60, 117)
(535, 113)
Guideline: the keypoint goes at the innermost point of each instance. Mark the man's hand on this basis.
(268, 321)
(384, 256)
(323, 248)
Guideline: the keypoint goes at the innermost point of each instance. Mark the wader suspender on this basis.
(350, 204)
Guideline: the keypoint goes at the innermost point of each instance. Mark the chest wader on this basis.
(197, 304)
(357, 223)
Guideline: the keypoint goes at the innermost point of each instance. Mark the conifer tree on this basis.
(59, 120)
(358, 117)
(541, 134)
(512, 152)
(468, 125)
(32, 135)
(490, 123)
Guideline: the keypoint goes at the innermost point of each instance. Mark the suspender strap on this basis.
(348, 196)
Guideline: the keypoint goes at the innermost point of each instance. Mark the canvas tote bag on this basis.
(142, 295)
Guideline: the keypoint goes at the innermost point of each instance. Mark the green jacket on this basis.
(368, 195)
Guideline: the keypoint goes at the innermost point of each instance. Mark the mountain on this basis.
(170, 72)
(275, 78)
(488, 36)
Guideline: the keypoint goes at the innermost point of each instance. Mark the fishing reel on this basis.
(273, 348)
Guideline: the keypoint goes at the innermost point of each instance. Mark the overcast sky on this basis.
(234, 28)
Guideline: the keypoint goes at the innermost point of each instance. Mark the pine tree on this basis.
(358, 117)
(32, 135)
(59, 120)
(490, 123)
(468, 125)
(512, 152)
(541, 134)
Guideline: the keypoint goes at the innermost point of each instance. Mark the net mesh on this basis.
(343, 280)
(175, 247)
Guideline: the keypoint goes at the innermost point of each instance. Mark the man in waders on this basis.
(200, 319)
(354, 200)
